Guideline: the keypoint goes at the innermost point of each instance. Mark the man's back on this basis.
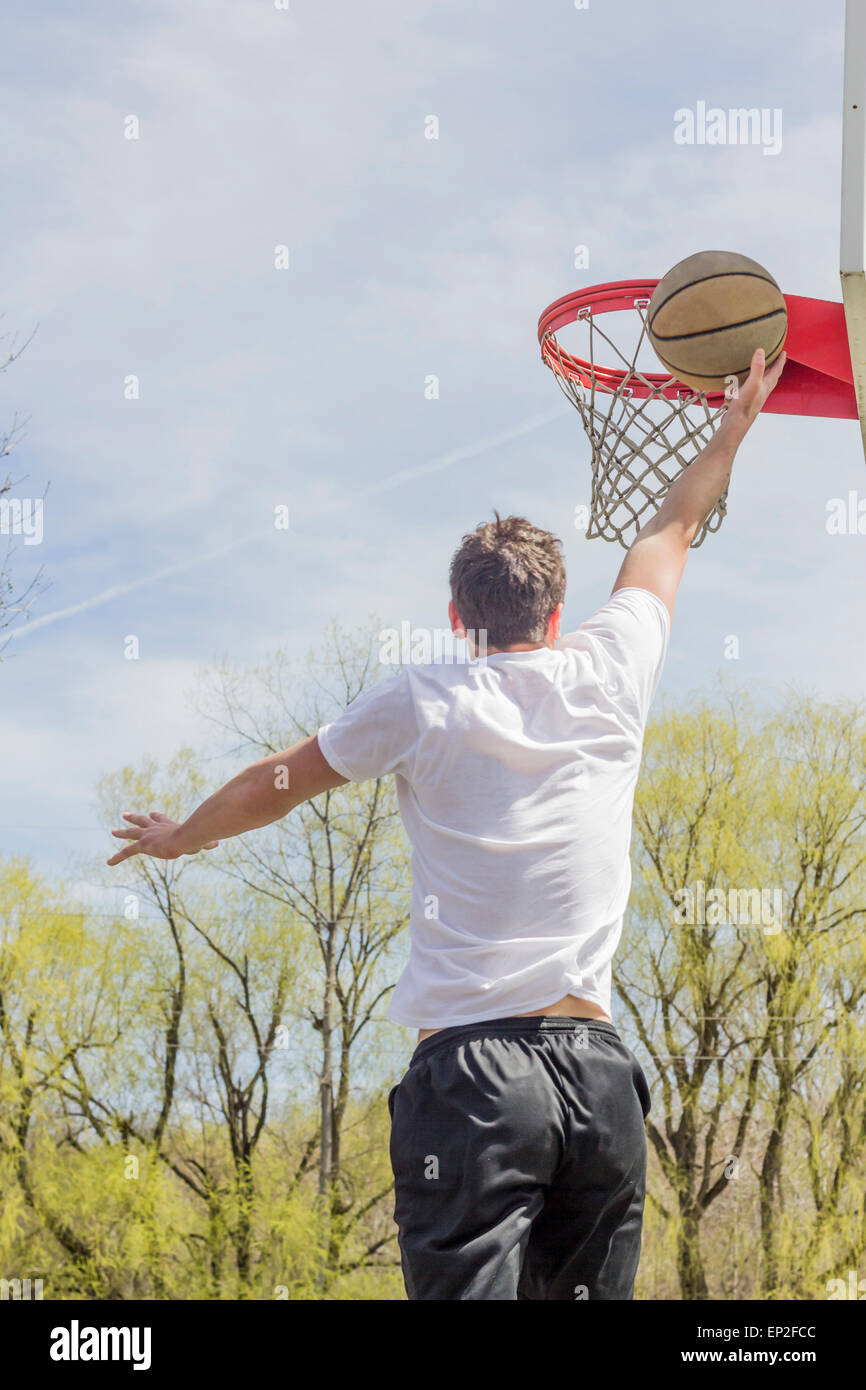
(515, 778)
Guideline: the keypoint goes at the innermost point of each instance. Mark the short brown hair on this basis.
(507, 577)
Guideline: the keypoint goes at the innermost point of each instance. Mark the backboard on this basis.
(852, 261)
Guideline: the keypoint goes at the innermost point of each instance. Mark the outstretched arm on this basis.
(264, 792)
(659, 552)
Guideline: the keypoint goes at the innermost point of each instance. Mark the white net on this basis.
(640, 442)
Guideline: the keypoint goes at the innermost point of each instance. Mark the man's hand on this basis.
(659, 552)
(264, 792)
(746, 404)
(155, 835)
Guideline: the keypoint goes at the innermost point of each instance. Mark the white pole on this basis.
(852, 251)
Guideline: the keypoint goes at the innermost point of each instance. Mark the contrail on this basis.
(482, 446)
(117, 589)
(403, 475)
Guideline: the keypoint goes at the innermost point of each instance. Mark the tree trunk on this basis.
(690, 1266)
(326, 1092)
(243, 1240)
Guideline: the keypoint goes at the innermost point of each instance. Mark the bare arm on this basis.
(264, 792)
(658, 554)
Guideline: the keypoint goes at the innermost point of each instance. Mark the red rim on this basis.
(604, 299)
(817, 380)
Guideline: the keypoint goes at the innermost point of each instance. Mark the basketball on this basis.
(710, 313)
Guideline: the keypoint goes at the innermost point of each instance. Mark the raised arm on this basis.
(658, 554)
(264, 792)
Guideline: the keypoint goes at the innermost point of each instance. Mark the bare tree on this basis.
(339, 865)
(13, 606)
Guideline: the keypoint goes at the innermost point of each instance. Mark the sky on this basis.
(306, 127)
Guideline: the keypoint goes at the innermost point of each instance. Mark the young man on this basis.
(518, 1140)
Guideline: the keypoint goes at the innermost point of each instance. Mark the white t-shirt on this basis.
(515, 780)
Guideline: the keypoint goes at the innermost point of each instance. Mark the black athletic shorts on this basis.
(519, 1156)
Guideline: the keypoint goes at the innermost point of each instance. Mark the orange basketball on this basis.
(708, 315)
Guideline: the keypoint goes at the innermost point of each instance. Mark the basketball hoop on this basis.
(644, 427)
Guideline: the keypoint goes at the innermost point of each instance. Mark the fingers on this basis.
(123, 854)
(140, 823)
(759, 373)
(752, 383)
(749, 391)
(148, 834)
(756, 369)
(759, 383)
(772, 376)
